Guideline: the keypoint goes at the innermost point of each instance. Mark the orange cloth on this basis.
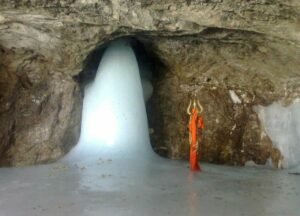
(196, 122)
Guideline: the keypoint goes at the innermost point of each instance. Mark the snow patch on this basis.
(282, 124)
(234, 97)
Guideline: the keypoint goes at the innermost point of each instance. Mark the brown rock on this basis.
(248, 48)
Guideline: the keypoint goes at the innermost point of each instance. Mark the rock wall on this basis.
(236, 54)
(40, 112)
(230, 77)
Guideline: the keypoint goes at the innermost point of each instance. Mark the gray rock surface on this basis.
(236, 54)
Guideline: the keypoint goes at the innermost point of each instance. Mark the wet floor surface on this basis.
(155, 186)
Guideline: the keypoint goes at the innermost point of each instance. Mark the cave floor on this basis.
(104, 186)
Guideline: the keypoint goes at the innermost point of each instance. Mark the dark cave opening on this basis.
(145, 56)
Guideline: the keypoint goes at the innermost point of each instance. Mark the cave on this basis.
(114, 117)
(150, 69)
(239, 58)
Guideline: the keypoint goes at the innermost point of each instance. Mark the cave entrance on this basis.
(117, 85)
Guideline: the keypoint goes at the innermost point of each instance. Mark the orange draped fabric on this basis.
(196, 122)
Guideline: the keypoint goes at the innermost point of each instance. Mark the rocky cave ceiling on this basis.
(247, 49)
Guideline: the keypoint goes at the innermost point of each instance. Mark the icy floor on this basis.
(155, 186)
